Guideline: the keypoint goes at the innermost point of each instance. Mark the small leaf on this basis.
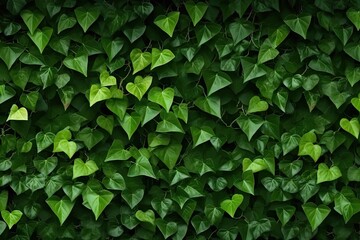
(315, 214)
(112, 47)
(148, 216)
(249, 124)
(106, 80)
(256, 105)
(11, 218)
(206, 32)
(210, 104)
(167, 23)
(83, 169)
(9, 53)
(216, 80)
(61, 207)
(17, 114)
(230, 206)
(166, 228)
(159, 58)
(106, 123)
(65, 22)
(285, 214)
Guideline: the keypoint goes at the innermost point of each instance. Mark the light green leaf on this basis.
(9, 53)
(117, 152)
(98, 93)
(249, 124)
(352, 126)
(257, 105)
(132, 196)
(215, 81)
(114, 182)
(196, 11)
(279, 35)
(206, 32)
(98, 200)
(78, 63)
(11, 218)
(298, 24)
(210, 104)
(148, 216)
(315, 214)
(354, 16)
(140, 60)
(130, 123)
(310, 149)
(41, 37)
(326, 174)
(230, 205)
(83, 169)
(44, 140)
(65, 22)
(167, 23)
(17, 114)
(162, 97)
(106, 80)
(181, 111)
(159, 58)
(31, 19)
(6, 93)
(86, 16)
(61, 207)
(139, 87)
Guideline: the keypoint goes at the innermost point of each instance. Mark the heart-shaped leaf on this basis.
(130, 123)
(61, 207)
(41, 37)
(148, 216)
(285, 214)
(65, 22)
(346, 203)
(310, 149)
(107, 80)
(162, 97)
(315, 214)
(167, 23)
(230, 205)
(86, 16)
(354, 16)
(326, 174)
(257, 105)
(299, 24)
(139, 87)
(139, 59)
(83, 169)
(78, 63)
(249, 124)
(352, 126)
(112, 47)
(162, 206)
(68, 147)
(160, 57)
(196, 11)
(206, 32)
(117, 106)
(17, 114)
(356, 103)
(215, 81)
(240, 29)
(98, 200)
(6, 93)
(31, 19)
(166, 228)
(46, 166)
(98, 93)
(106, 123)
(9, 53)
(11, 218)
(210, 104)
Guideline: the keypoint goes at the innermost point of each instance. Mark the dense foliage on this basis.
(172, 119)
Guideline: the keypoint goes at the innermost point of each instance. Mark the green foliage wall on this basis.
(171, 119)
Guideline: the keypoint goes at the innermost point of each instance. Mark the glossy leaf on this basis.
(81, 168)
(167, 23)
(61, 207)
(11, 218)
(315, 214)
(86, 16)
(196, 11)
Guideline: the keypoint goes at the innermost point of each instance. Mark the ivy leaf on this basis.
(251, 69)
(130, 123)
(98, 200)
(201, 135)
(41, 37)
(117, 106)
(135, 32)
(106, 80)
(46, 166)
(9, 53)
(132, 196)
(257, 105)
(98, 93)
(285, 214)
(31, 19)
(326, 174)
(159, 58)
(352, 126)
(167, 23)
(61, 207)
(83, 169)
(6, 93)
(298, 24)
(196, 11)
(353, 50)
(139, 87)
(65, 22)
(215, 81)
(139, 59)
(206, 32)
(162, 97)
(322, 64)
(181, 111)
(90, 137)
(210, 104)
(279, 35)
(356, 103)
(166, 228)
(169, 155)
(112, 47)
(267, 52)
(169, 123)
(240, 29)
(247, 182)
(86, 16)
(117, 152)
(346, 203)
(291, 168)
(354, 16)
(315, 214)
(141, 167)
(17, 114)
(11, 218)
(30, 100)
(106, 123)
(78, 63)
(249, 124)
(230, 205)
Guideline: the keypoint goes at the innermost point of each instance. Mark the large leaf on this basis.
(299, 24)
(32, 19)
(196, 11)
(351, 126)
(240, 29)
(98, 200)
(86, 16)
(65, 22)
(206, 32)
(130, 123)
(61, 207)
(354, 16)
(9, 53)
(215, 81)
(167, 23)
(41, 37)
(347, 204)
(249, 124)
(315, 214)
(98, 93)
(11, 218)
